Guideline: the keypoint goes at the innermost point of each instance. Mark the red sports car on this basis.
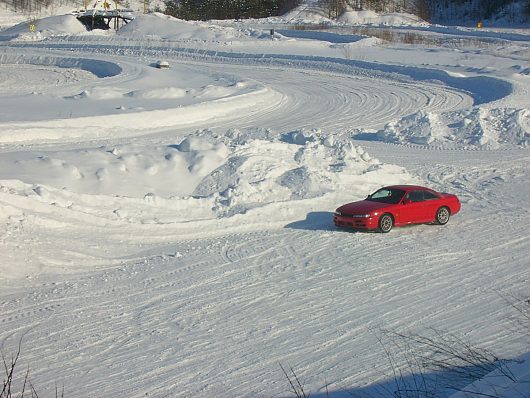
(397, 205)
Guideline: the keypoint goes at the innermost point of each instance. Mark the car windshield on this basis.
(386, 195)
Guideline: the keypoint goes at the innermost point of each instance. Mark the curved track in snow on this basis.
(350, 97)
(153, 305)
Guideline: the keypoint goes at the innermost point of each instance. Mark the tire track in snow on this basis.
(351, 99)
(216, 318)
(265, 297)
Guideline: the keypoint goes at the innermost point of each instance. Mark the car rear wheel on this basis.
(386, 222)
(442, 216)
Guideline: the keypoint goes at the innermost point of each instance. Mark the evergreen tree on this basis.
(228, 9)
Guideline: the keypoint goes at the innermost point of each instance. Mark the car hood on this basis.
(362, 207)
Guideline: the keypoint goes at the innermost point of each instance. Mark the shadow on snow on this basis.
(321, 221)
(434, 384)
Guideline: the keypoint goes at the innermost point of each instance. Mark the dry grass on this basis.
(10, 384)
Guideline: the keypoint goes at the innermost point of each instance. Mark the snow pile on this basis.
(60, 25)
(208, 92)
(205, 176)
(161, 26)
(302, 165)
(125, 171)
(369, 17)
(476, 127)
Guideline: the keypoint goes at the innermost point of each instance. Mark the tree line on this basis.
(458, 10)
(448, 10)
(429, 10)
(228, 9)
(235, 9)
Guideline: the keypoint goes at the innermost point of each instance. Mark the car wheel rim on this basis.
(443, 216)
(386, 223)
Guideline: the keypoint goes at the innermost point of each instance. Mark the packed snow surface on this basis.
(168, 232)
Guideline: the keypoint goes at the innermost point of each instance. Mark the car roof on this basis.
(407, 187)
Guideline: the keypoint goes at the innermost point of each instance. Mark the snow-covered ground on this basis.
(168, 232)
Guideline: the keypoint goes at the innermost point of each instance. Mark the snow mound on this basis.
(100, 93)
(160, 93)
(369, 17)
(207, 92)
(129, 171)
(60, 25)
(161, 26)
(476, 127)
(205, 176)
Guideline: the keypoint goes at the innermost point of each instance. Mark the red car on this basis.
(397, 205)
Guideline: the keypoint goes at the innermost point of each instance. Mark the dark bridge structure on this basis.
(105, 20)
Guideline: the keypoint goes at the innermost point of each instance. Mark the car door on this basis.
(413, 210)
(432, 203)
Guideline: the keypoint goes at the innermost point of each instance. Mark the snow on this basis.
(158, 25)
(57, 25)
(168, 232)
(372, 18)
(497, 383)
(477, 127)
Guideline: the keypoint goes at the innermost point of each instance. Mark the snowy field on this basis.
(168, 232)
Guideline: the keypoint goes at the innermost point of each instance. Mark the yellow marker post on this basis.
(479, 24)
(32, 27)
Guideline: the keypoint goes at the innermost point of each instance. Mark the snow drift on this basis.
(161, 26)
(59, 25)
(478, 127)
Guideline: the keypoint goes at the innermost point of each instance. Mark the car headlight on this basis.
(361, 215)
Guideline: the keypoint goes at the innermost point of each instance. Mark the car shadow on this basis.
(315, 221)
(323, 221)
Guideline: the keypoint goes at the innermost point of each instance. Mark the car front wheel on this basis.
(386, 222)
(442, 216)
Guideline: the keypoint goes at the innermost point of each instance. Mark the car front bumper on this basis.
(355, 222)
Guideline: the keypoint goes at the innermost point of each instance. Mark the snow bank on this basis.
(216, 105)
(208, 92)
(372, 18)
(60, 25)
(205, 176)
(99, 68)
(476, 127)
(161, 26)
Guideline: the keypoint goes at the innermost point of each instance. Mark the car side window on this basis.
(429, 195)
(416, 196)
